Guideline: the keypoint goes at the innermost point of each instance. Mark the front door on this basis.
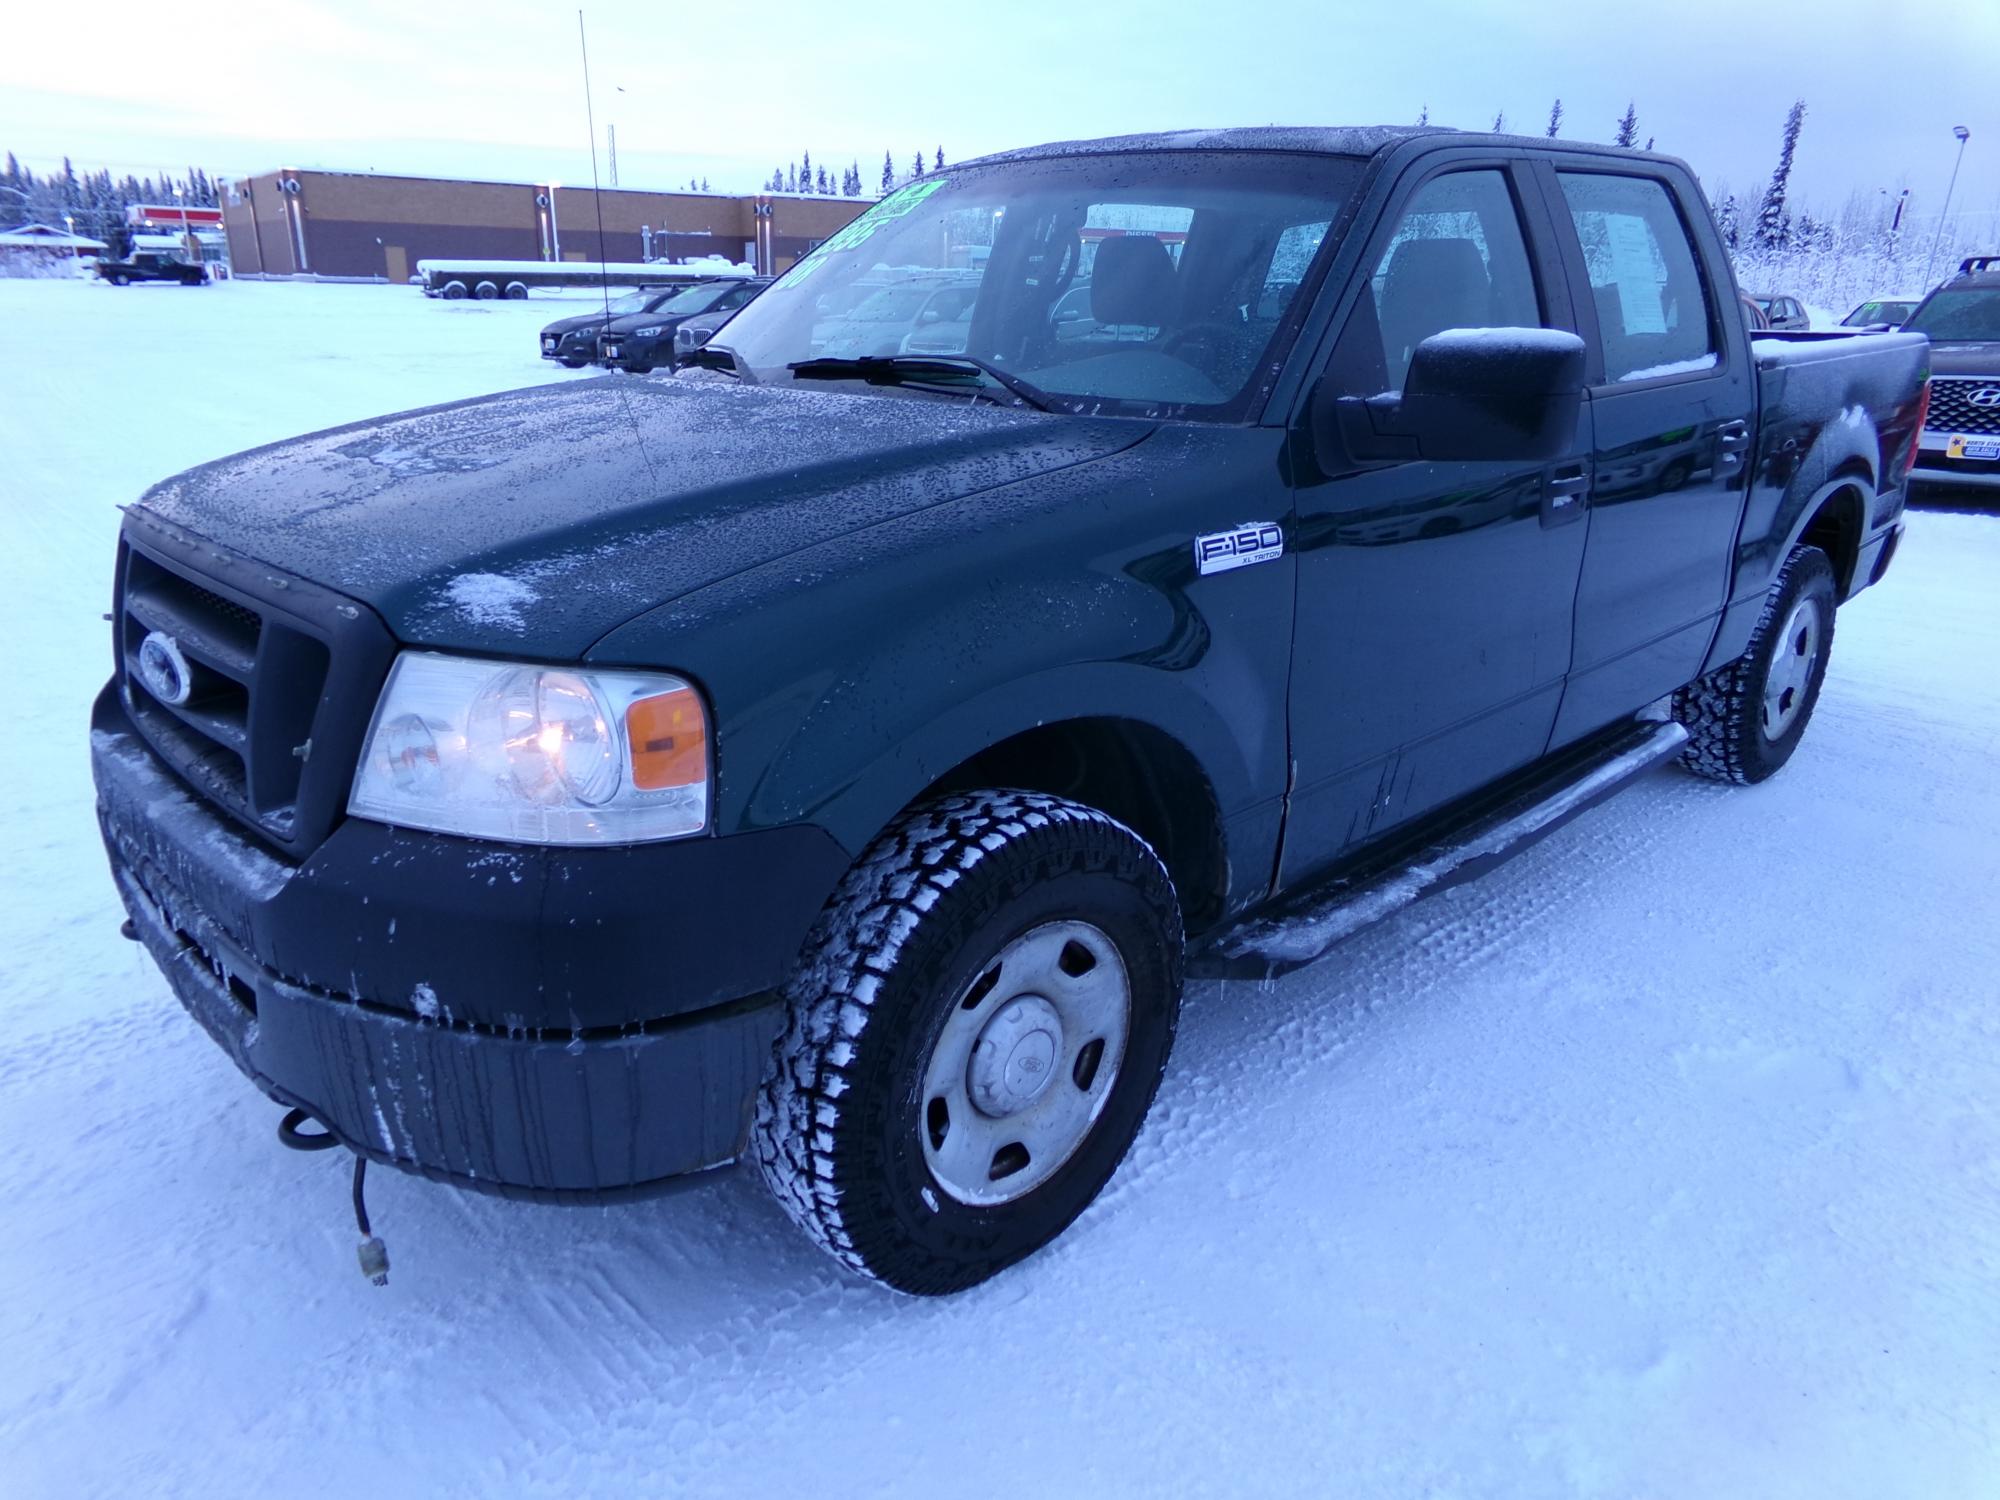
(1672, 401)
(1434, 599)
(398, 260)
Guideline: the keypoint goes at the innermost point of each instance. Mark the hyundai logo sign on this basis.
(164, 670)
(1988, 396)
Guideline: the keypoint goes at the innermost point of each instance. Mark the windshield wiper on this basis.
(915, 369)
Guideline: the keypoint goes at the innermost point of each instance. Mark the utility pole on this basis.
(611, 132)
(1963, 136)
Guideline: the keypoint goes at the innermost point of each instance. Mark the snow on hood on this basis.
(537, 520)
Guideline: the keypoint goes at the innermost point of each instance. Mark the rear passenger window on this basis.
(1654, 314)
(1456, 259)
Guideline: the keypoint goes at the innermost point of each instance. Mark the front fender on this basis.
(847, 678)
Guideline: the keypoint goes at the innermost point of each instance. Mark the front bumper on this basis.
(628, 353)
(304, 975)
(571, 346)
(1934, 469)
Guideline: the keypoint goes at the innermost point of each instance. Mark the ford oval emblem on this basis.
(164, 670)
(1988, 396)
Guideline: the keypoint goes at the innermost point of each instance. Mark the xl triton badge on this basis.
(164, 670)
(1238, 547)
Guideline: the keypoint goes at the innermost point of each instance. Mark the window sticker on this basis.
(1635, 271)
(892, 207)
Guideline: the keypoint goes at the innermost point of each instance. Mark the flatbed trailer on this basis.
(487, 279)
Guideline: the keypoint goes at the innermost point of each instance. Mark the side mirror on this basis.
(1499, 394)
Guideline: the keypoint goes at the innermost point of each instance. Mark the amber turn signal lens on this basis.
(668, 734)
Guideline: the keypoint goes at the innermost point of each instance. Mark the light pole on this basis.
(1963, 135)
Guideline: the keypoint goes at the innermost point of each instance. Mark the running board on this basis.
(1301, 928)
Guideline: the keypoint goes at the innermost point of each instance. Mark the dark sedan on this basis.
(572, 342)
(644, 341)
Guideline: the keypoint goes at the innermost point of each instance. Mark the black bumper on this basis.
(616, 1058)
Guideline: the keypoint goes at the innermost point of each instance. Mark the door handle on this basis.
(1565, 494)
(1732, 446)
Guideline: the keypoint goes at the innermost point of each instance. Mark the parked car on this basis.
(152, 265)
(572, 341)
(1961, 442)
(1881, 312)
(879, 322)
(640, 342)
(1754, 317)
(698, 330)
(837, 766)
(1785, 313)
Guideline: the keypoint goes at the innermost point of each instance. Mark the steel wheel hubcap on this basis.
(1791, 670)
(1025, 1062)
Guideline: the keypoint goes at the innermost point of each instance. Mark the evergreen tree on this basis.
(1725, 219)
(792, 178)
(1555, 119)
(1500, 122)
(1649, 143)
(704, 184)
(888, 173)
(1424, 115)
(917, 167)
(938, 165)
(1773, 220)
(806, 173)
(1628, 127)
(822, 181)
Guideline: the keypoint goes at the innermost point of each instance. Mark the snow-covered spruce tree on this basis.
(1424, 115)
(888, 172)
(917, 166)
(1725, 219)
(1773, 221)
(1628, 127)
(1555, 119)
(1500, 122)
(938, 164)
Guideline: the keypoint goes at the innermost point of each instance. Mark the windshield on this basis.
(1883, 311)
(1119, 283)
(1968, 313)
(632, 302)
(695, 299)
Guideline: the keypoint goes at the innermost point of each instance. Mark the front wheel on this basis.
(1745, 720)
(976, 1029)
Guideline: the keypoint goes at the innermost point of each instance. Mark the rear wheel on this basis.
(517, 291)
(121, 280)
(977, 1027)
(486, 291)
(1745, 720)
(454, 291)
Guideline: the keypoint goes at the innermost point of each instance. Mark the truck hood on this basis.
(537, 520)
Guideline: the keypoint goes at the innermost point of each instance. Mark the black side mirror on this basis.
(1502, 394)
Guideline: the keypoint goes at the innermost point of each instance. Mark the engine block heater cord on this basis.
(374, 1255)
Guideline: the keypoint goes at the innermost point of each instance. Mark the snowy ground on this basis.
(1663, 1163)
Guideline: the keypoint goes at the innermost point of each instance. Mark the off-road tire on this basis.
(911, 927)
(1723, 711)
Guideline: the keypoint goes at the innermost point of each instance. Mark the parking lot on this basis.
(1663, 1162)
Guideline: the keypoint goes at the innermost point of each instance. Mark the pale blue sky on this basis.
(728, 91)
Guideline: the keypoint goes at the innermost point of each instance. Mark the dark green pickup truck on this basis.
(838, 759)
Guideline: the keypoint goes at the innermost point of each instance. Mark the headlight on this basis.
(648, 333)
(534, 755)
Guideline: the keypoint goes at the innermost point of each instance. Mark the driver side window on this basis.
(1456, 259)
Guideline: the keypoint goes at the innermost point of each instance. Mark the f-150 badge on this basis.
(1238, 547)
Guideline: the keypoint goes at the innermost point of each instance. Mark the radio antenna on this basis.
(596, 193)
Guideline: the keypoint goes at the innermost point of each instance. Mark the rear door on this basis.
(1672, 401)
(1434, 599)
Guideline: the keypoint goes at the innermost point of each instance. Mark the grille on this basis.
(1952, 410)
(253, 685)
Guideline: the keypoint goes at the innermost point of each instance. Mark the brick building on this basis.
(365, 224)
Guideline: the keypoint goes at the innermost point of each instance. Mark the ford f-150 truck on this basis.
(837, 762)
